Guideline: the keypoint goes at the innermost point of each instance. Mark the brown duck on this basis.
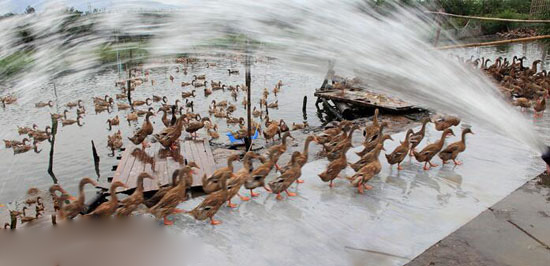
(452, 151)
(76, 207)
(400, 152)
(213, 202)
(366, 173)
(446, 122)
(141, 134)
(168, 136)
(212, 183)
(417, 137)
(108, 208)
(370, 156)
(257, 178)
(283, 182)
(426, 154)
(239, 178)
(132, 202)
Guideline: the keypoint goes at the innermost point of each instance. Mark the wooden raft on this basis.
(161, 163)
(366, 99)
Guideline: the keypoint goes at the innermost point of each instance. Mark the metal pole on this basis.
(248, 140)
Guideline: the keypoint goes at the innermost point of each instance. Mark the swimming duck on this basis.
(273, 105)
(140, 102)
(23, 130)
(446, 122)
(123, 106)
(132, 202)
(23, 147)
(43, 104)
(207, 91)
(184, 84)
(417, 137)
(212, 183)
(523, 103)
(132, 117)
(256, 113)
(400, 152)
(213, 132)
(67, 122)
(451, 152)
(233, 71)
(234, 120)
(198, 84)
(115, 141)
(283, 182)
(167, 205)
(74, 104)
(59, 116)
(426, 154)
(12, 143)
(201, 77)
(108, 208)
(71, 210)
(115, 121)
(187, 94)
(141, 134)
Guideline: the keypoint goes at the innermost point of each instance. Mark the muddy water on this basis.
(73, 154)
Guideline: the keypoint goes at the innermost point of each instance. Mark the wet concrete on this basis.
(515, 231)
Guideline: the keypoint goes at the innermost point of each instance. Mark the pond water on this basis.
(73, 154)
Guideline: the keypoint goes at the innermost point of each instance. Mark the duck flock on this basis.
(227, 182)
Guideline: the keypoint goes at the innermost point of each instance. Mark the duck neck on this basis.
(140, 184)
(442, 139)
(114, 197)
(306, 147)
(81, 192)
(463, 139)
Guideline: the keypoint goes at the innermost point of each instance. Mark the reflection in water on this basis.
(144, 157)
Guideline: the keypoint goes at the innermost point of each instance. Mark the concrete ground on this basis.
(515, 231)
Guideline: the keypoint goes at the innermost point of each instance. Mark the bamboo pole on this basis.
(526, 39)
(490, 19)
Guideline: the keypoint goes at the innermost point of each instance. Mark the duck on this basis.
(167, 205)
(67, 122)
(123, 106)
(222, 87)
(157, 98)
(400, 152)
(76, 207)
(258, 175)
(283, 182)
(201, 77)
(283, 126)
(168, 136)
(371, 155)
(333, 152)
(234, 120)
(233, 71)
(273, 105)
(367, 172)
(59, 200)
(198, 84)
(59, 116)
(451, 152)
(371, 130)
(100, 108)
(115, 121)
(426, 154)
(220, 104)
(231, 108)
(327, 135)
(417, 137)
(153, 200)
(303, 156)
(213, 202)
(108, 208)
(9, 99)
(212, 183)
(121, 96)
(207, 91)
(540, 106)
(187, 94)
(164, 118)
(23, 130)
(276, 90)
(334, 168)
(298, 126)
(239, 178)
(74, 104)
(140, 102)
(270, 132)
(132, 117)
(522, 102)
(213, 132)
(193, 126)
(141, 134)
(27, 219)
(23, 147)
(256, 113)
(132, 202)
(12, 143)
(115, 141)
(184, 84)
(43, 104)
(369, 146)
(446, 122)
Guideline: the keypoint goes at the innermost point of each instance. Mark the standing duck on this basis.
(132, 202)
(446, 122)
(302, 158)
(108, 208)
(540, 106)
(378, 137)
(257, 178)
(367, 172)
(141, 134)
(168, 136)
(167, 205)
(239, 179)
(334, 168)
(372, 129)
(213, 202)
(283, 182)
(400, 152)
(452, 151)
(193, 126)
(417, 137)
(371, 155)
(76, 207)
(426, 154)
(212, 183)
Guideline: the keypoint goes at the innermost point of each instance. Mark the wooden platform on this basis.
(366, 99)
(161, 163)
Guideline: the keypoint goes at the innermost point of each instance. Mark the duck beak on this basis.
(72, 198)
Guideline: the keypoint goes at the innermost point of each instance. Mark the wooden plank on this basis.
(149, 184)
(208, 160)
(197, 158)
(128, 167)
(161, 171)
(363, 102)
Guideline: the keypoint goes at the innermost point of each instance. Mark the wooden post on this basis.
(304, 106)
(438, 31)
(248, 139)
(50, 163)
(13, 220)
(96, 160)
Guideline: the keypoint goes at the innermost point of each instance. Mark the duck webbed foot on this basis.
(243, 198)
(457, 162)
(253, 194)
(231, 205)
(399, 168)
(300, 181)
(267, 189)
(176, 210)
(432, 164)
(214, 222)
(167, 222)
(360, 188)
(279, 197)
(367, 187)
(290, 194)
